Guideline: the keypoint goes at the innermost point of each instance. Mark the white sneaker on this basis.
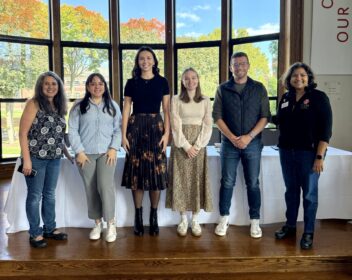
(96, 231)
(222, 226)
(182, 227)
(196, 229)
(255, 230)
(111, 232)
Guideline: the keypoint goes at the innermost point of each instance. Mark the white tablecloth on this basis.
(335, 194)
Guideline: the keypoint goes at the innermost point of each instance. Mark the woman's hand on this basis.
(125, 144)
(27, 167)
(318, 165)
(192, 152)
(164, 141)
(111, 157)
(82, 159)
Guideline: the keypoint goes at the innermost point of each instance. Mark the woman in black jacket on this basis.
(305, 123)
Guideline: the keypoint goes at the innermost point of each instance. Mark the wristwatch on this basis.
(319, 157)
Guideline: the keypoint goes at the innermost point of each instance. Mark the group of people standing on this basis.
(240, 110)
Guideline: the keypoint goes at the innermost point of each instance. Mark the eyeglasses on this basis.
(237, 65)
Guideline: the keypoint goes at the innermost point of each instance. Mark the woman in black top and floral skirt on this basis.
(145, 135)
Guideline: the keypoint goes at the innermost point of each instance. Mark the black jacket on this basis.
(304, 123)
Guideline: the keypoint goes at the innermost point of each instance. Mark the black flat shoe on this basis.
(55, 236)
(37, 243)
(307, 241)
(285, 232)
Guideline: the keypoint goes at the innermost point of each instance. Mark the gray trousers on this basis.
(98, 179)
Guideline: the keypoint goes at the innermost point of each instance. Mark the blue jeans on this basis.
(298, 173)
(42, 186)
(250, 158)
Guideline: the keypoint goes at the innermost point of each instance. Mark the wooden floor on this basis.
(168, 256)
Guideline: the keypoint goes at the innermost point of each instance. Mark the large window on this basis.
(258, 34)
(206, 62)
(85, 21)
(198, 21)
(142, 22)
(24, 54)
(82, 37)
(85, 43)
(79, 63)
(198, 34)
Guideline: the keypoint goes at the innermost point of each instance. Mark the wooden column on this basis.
(170, 37)
(56, 38)
(225, 38)
(296, 32)
(115, 54)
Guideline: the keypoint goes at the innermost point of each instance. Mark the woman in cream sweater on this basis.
(191, 125)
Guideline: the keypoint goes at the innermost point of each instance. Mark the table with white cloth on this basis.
(335, 194)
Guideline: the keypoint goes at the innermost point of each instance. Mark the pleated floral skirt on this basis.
(189, 187)
(145, 163)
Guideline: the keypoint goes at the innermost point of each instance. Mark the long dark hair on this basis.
(287, 76)
(84, 103)
(60, 100)
(198, 97)
(136, 72)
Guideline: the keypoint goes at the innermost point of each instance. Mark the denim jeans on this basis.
(250, 158)
(42, 187)
(298, 173)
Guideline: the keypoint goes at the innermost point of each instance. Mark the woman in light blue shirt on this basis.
(95, 136)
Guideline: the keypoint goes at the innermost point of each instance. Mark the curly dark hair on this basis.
(60, 100)
(136, 72)
(287, 76)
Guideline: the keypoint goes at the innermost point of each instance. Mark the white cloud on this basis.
(190, 16)
(192, 34)
(267, 28)
(200, 7)
(180, 24)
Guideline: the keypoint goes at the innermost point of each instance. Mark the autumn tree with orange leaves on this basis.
(140, 30)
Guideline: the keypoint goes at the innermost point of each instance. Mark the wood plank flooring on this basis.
(168, 256)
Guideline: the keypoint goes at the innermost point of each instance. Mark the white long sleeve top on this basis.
(191, 113)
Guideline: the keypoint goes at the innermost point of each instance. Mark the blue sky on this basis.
(196, 17)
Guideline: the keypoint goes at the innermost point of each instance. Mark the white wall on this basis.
(341, 103)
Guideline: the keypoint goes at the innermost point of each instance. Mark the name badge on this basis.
(284, 105)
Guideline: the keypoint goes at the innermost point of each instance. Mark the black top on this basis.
(304, 123)
(147, 94)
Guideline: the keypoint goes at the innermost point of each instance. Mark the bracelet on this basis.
(251, 134)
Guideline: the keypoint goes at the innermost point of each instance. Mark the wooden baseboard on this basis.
(6, 170)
